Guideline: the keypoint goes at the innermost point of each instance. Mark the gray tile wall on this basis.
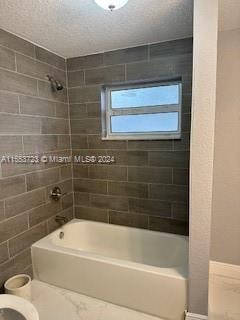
(33, 120)
(147, 187)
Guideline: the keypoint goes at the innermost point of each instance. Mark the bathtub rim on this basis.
(180, 272)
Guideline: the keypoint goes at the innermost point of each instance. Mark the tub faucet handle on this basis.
(56, 194)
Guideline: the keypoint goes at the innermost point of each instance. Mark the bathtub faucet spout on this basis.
(61, 220)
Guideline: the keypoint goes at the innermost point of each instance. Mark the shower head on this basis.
(56, 85)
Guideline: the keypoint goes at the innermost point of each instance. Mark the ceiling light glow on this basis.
(111, 4)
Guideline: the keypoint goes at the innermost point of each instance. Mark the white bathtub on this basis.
(139, 269)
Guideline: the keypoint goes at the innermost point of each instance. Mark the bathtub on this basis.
(138, 269)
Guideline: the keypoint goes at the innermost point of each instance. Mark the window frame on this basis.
(107, 111)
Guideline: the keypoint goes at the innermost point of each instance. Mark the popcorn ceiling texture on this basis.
(73, 28)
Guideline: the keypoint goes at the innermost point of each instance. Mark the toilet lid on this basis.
(13, 307)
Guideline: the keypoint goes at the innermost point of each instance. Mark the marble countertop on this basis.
(60, 304)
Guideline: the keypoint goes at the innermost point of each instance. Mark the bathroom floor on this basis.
(56, 303)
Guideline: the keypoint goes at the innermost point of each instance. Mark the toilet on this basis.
(16, 308)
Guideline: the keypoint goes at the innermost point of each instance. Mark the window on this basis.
(142, 111)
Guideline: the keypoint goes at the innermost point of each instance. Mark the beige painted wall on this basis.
(202, 149)
(226, 192)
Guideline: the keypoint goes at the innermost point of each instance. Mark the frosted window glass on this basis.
(157, 122)
(145, 97)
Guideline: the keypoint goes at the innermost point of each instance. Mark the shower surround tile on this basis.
(15, 43)
(86, 62)
(11, 227)
(4, 255)
(39, 70)
(15, 82)
(94, 214)
(151, 176)
(10, 145)
(7, 59)
(50, 58)
(12, 186)
(146, 186)
(44, 212)
(171, 48)
(23, 241)
(33, 120)
(103, 75)
(2, 215)
(128, 219)
(42, 178)
(126, 55)
(36, 106)
(24, 202)
(9, 102)
(109, 202)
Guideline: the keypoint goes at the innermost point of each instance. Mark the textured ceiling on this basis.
(78, 27)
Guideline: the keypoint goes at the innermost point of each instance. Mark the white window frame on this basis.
(107, 112)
